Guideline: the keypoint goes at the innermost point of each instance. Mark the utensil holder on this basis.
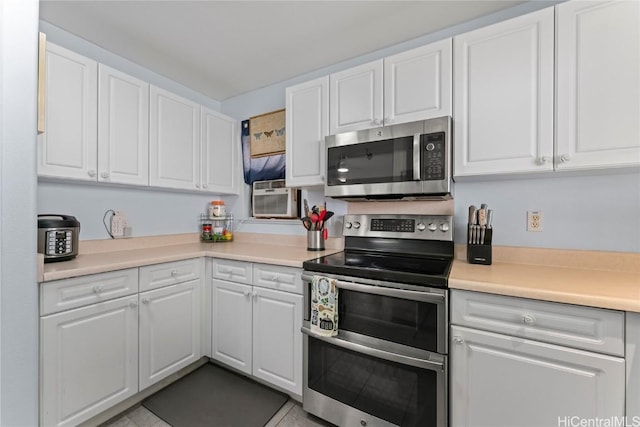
(480, 253)
(315, 240)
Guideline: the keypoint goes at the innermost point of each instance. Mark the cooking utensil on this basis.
(306, 222)
(314, 220)
(325, 233)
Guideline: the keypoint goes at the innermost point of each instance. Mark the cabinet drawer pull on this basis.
(146, 300)
(528, 319)
(97, 289)
(174, 273)
(133, 304)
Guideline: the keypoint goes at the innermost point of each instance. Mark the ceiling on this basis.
(226, 48)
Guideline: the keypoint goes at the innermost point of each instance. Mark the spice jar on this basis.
(206, 231)
(217, 209)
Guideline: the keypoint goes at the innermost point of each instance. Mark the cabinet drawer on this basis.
(60, 295)
(169, 273)
(278, 277)
(574, 326)
(235, 271)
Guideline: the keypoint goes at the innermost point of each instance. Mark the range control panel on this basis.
(423, 227)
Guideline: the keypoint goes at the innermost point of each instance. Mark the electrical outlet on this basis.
(534, 221)
(118, 224)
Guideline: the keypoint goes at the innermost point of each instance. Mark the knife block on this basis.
(480, 253)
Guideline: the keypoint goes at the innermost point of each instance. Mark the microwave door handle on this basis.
(416, 157)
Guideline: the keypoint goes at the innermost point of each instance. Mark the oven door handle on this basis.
(432, 297)
(374, 352)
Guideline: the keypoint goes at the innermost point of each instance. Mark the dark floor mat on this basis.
(213, 396)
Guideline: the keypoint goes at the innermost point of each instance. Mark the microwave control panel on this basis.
(58, 242)
(433, 156)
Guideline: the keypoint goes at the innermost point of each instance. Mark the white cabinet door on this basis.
(307, 123)
(417, 84)
(497, 380)
(170, 330)
(503, 107)
(219, 145)
(123, 128)
(632, 357)
(231, 317)
(356, 98)
(277, 340)
(174, 138)
(88, 360)
(598, 86)
(68, 148)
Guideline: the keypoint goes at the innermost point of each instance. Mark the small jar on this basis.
(217, 209)
(206, 231)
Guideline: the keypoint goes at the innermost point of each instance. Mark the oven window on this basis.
(400, 394)
(402, 321)
(384, 161)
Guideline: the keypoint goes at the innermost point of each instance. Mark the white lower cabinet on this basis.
(512, 380)
(257, 321)
(102, 341)
(88, 360)
(632, 357)
(170, 330)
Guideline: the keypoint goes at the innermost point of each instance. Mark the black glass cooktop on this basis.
(422, 271)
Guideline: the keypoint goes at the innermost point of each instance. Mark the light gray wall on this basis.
(150, 212)
(18, 281)
(597, 212)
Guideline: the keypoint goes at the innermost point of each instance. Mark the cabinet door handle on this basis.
(97, 289)
(255, 296)
(146, 300)
(91, 173)
(247, 294)
(105, 175)
(458, 339)
(564, 158)
(205, 186)
(275, 278)
(528, 319)
(542, 160)
(133, 304)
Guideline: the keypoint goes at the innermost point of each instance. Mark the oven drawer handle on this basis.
(374, 352)
(384, 291)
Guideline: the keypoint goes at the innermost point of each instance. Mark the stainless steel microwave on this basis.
(404, 161)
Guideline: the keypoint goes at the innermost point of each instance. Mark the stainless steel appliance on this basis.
(404, 161)
(388, 364)
(58, 237)
(272, 199)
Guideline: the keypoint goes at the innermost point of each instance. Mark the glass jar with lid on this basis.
(217, 209)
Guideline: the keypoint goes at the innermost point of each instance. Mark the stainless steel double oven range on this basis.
(388, 363)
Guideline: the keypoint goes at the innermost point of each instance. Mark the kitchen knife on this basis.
(482, 221)
(306, 207)
(471, 223)
(489, 218)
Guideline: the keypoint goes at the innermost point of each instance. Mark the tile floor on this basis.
(290, 415)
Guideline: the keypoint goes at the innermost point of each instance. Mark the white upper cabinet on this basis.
(598, 88)
(412, 85)
(174, 137)
(68, 148)
(123, 128)
(503, 108)
(417, 83)
(219, 142)
(307, 124)
(356, 98)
